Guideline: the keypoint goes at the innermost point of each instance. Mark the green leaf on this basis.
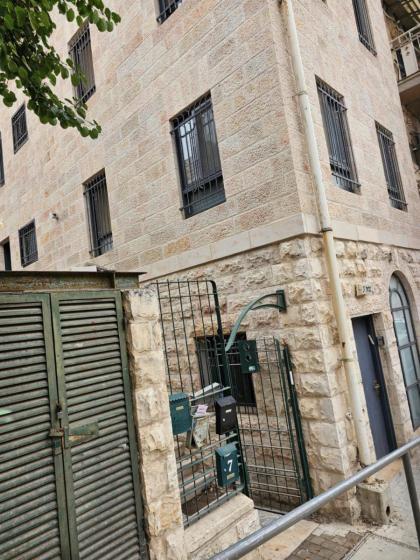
(70, 15)
(23, 73)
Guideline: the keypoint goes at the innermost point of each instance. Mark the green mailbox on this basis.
(227, 464)
(179, 404)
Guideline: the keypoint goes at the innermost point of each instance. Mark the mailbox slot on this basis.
(179, 404)
(226, 420)
(227, 465)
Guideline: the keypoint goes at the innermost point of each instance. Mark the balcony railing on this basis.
(406, 50)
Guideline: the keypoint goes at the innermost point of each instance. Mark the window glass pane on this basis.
(408, 366)
(401, 328)
(414, 402)
(395, 300)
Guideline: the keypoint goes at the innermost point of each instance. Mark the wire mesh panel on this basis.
(80, 51)
(27, 244)
(197, 366)
(337, 134)
(391, 168)
(19, 128)
(363, 24)
(198, 157)
(167, 7)
(97, 206)
(270, 430)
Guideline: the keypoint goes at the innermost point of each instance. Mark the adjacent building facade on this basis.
(202, 170)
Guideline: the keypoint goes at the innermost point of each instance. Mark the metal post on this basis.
(412, 492)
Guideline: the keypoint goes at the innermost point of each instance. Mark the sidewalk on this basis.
(309, 540)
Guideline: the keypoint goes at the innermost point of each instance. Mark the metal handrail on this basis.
(253, 541)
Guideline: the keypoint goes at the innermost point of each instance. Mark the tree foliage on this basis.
(28, 60)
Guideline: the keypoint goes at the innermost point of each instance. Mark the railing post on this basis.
(411, 485)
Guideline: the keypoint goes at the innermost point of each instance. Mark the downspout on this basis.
(328, 239)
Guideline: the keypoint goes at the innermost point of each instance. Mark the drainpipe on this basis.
(328, 239)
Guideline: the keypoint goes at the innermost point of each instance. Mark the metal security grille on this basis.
(391, 168)
(198, 157)
(338, 137)
(270, 431)
(27, 244)
(99, 219)
(363, 24)
(2, 178)
(81, 53)
(197, 365)
(19, 128)
(167, 7)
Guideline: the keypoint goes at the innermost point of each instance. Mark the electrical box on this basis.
(227, 464)
(248, 355)
(179, 404)
(225, 409)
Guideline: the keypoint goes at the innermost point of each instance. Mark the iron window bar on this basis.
(391, 167)
(2, 177)
(19, 128)
(99, 219)
(167, 8)
(364, 27)
(80, 50)
(334, 117)
(28, 244)
(198, 157)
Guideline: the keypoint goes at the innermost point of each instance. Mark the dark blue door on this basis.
(373, 384)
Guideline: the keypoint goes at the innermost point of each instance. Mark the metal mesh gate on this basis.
(268, 434)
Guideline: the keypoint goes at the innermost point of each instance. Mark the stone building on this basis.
(203, 170)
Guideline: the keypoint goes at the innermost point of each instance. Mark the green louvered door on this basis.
(69, 485)
(32, 498)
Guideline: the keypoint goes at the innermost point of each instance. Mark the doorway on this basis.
(374, 385)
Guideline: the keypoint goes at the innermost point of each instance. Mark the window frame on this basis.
(19, 140)
(166, 9)
(338, 138)
(201, 188)
(80, 43)
(412, 343)
(95, 192)
(26, 257)
(391, 167)
(364, 25)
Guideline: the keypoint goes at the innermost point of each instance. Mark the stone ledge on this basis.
(222, 527)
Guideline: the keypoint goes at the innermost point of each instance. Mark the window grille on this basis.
(337, 133)
(363, 24)
(167, 7)
(391, 168)
(198, 158)
(81, 53)
(97, 205)
(19, 128)
(2, 178)
(27, 244)
(407, 346)
(212, 367)
(7, 255)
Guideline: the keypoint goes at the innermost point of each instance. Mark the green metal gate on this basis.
(69, 484)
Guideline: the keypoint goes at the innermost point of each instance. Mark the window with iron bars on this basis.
(97, 206)
(337, 134)
(80, 51)
(391, 168)
(363, 25)
(19, 128)
(2, 178)
(27, 244)
(198, 158)
(166, 8)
